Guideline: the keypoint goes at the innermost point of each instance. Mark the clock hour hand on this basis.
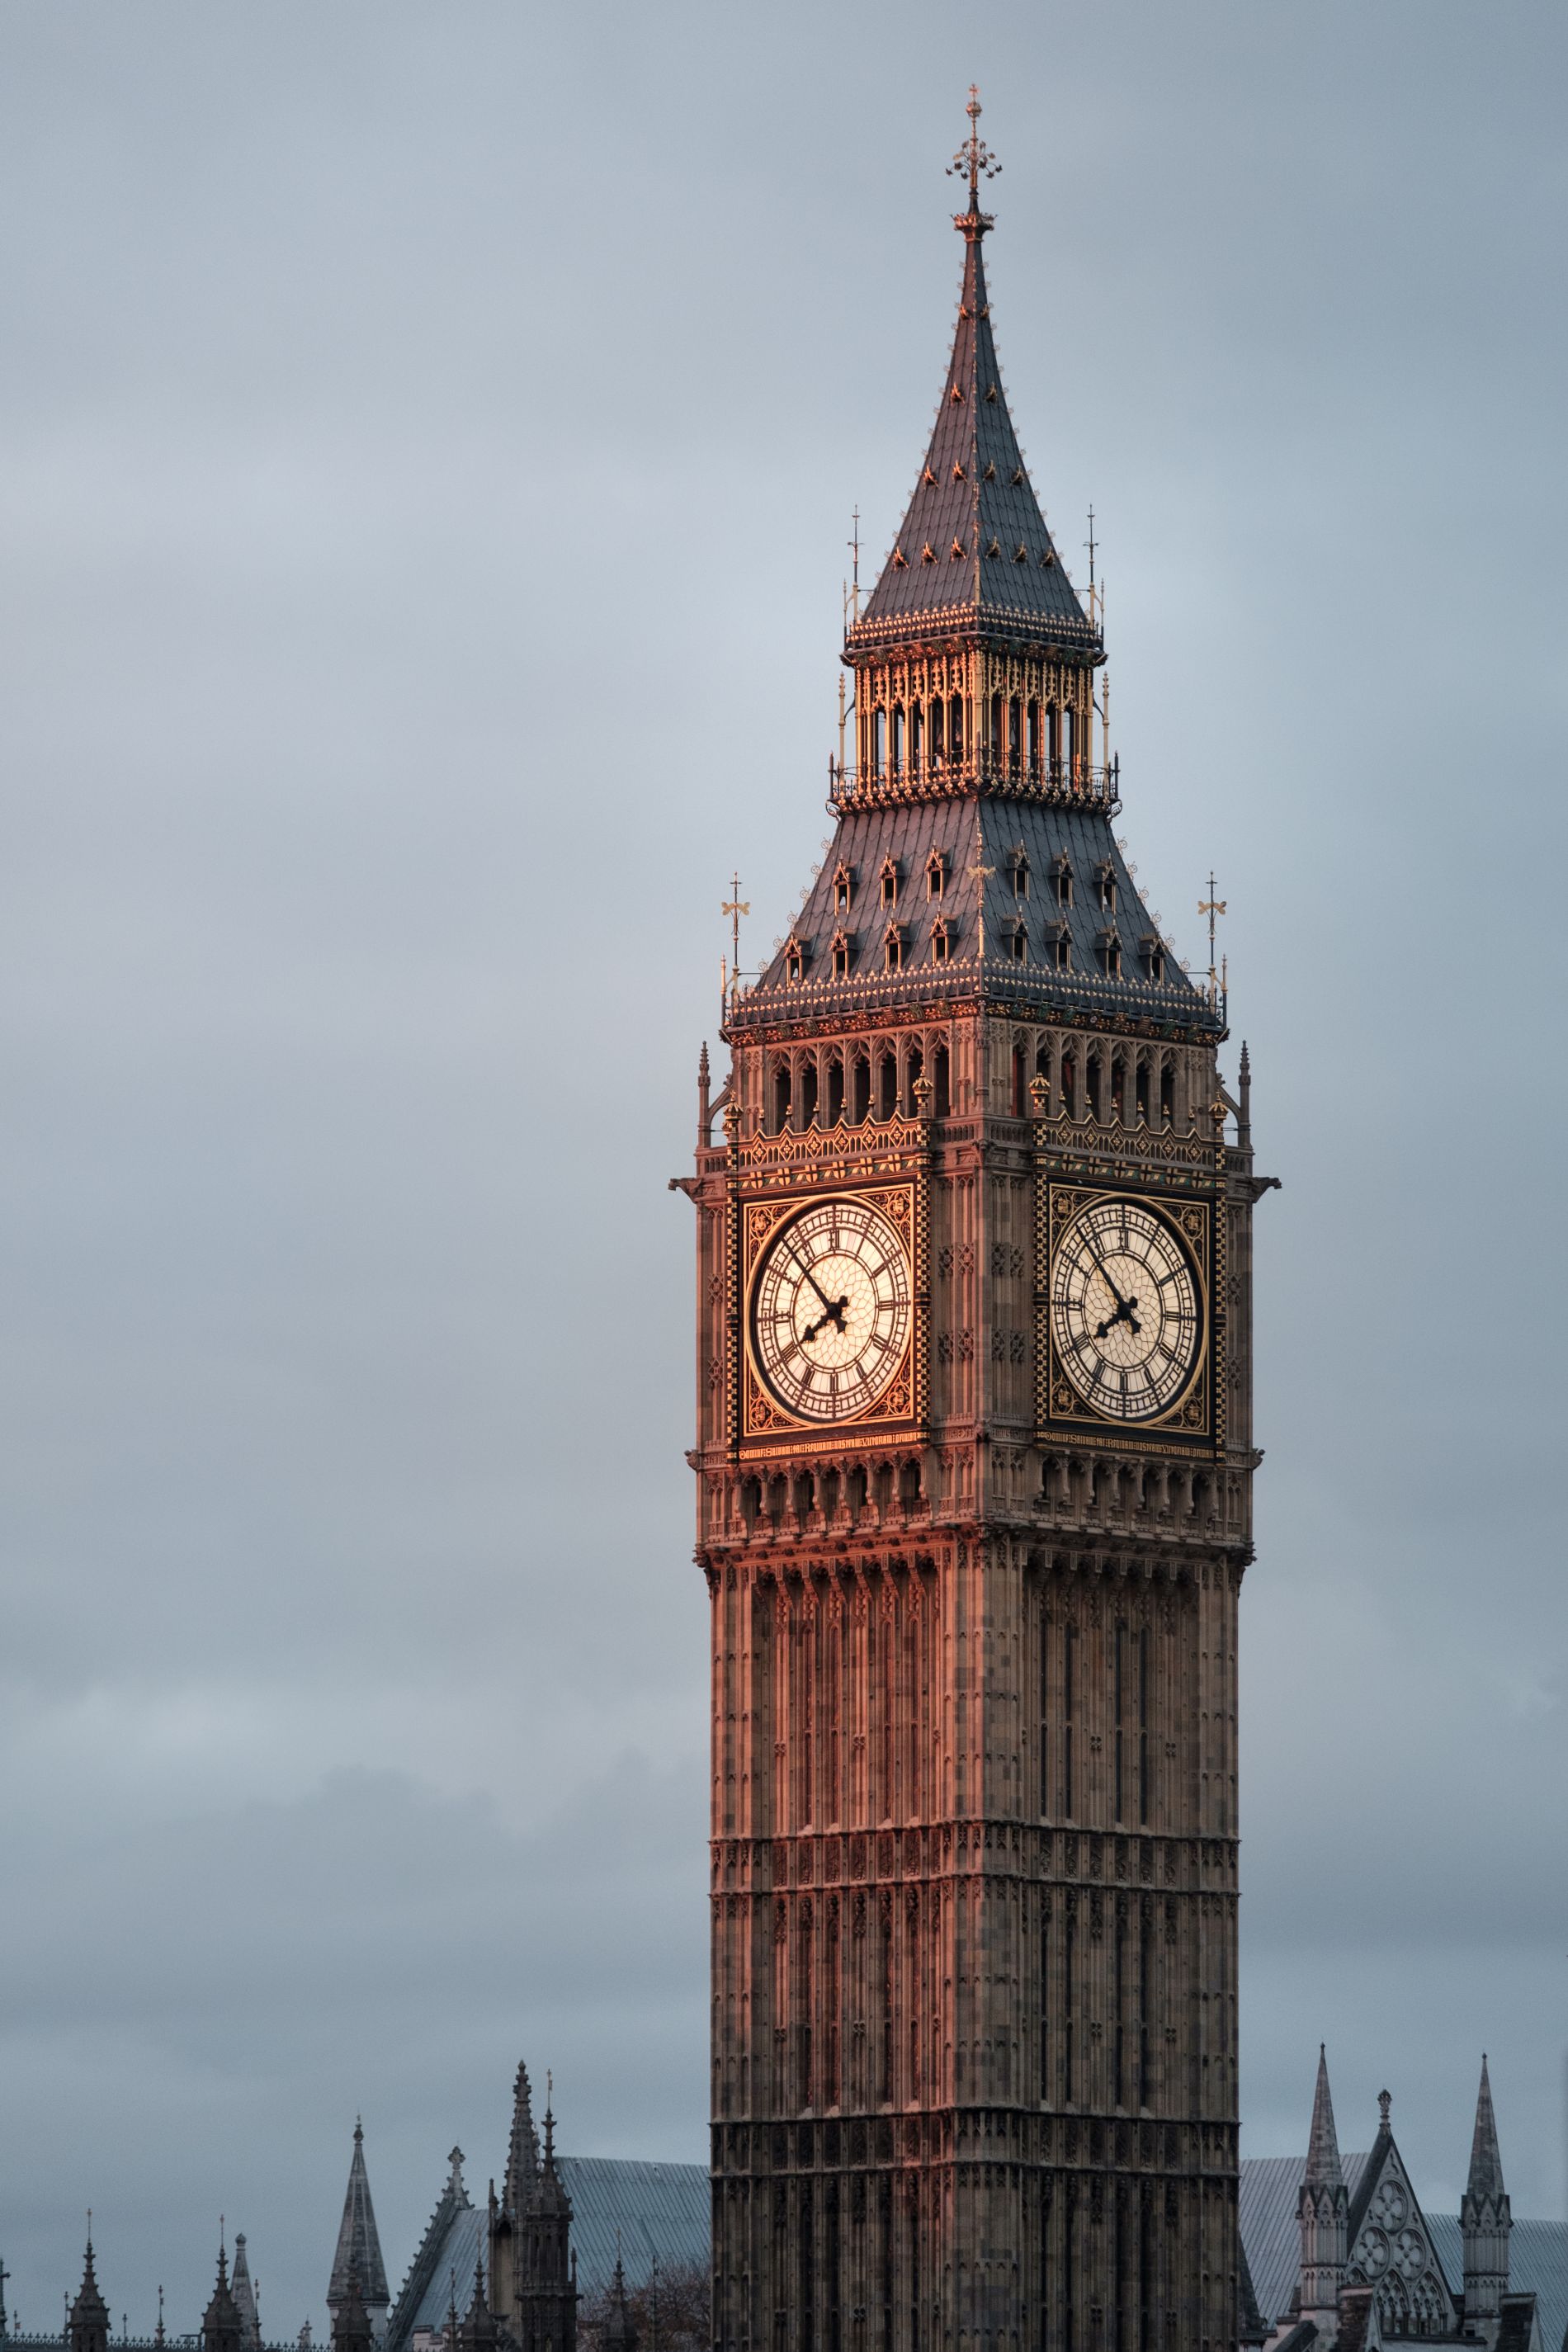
(833, 1313)
(1126, 1309)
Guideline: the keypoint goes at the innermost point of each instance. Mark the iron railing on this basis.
(1069, 783)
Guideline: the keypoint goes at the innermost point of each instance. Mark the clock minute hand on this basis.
(1126, 1309)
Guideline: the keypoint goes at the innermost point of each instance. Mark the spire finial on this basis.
(1384, 2101)
(974, 161)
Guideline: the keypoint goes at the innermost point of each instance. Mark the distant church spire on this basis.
(1486, 2218)
(359, 2248)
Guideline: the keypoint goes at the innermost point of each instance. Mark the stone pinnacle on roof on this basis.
(1485, 2158)
(245, 2294)
(523, 2154)
(220, 2321)
(89, 2318)
(974, 554)
(359, 2244)
(1323, 2145)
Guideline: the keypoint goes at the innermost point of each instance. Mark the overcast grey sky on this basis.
(428, 441)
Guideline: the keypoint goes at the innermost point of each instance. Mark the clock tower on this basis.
(973, 1459)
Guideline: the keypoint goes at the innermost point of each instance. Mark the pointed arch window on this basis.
(1152, 950)
(893, 947)
(1061, 880)
(892, 877)
(1058, 947)
(1018, 871)
(843, 955)
(1016, 939)
(940, 942)
(1105, 884)
(1109, 948)
(794, 960)
(843, 889)
(936, 873)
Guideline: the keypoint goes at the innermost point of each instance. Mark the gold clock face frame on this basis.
(1126, 1310)
(830, 1308)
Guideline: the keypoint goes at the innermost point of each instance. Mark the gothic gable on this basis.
(1391, 2250)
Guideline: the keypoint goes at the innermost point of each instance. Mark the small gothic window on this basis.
(937, 713)
(1019, 867)
(794, 962)
(1059, 948)
(840, 955)
(887, 1087)
(936, 873)
(1061, 880)
(893, 948)
(889, 882)
(1105, 882)
(1109, 955)
(1153, 951)
(843, 889)
(941, 942)
(1017, 940)
(834, 1091)
(862, 1092)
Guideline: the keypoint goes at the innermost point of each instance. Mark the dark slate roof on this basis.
(1538, 2251)
(663, 2210)
(973, 554)
(866, 839)
(659, 2209)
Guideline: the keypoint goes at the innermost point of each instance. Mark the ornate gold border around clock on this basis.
(899, 1405)
(1058, 1405)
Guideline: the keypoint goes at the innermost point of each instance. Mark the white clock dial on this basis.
(1125, 1310)
(830, 1309)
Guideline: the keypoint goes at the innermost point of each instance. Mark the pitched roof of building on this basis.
(973, 556)
(359, 2245)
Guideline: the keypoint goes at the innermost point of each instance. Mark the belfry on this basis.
(974, 1465)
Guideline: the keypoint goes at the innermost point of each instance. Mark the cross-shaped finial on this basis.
(974, 161)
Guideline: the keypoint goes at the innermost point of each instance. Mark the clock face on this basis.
(830, 1310)
(1125, 1310)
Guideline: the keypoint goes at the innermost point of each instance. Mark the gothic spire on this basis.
(359, 2246)
(1323, 2145)
(973, 556)
(1486, 2160)
(245, 2296)
(220, 2321)
(618, 2333)
(89, 2313)
(522, 2155)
